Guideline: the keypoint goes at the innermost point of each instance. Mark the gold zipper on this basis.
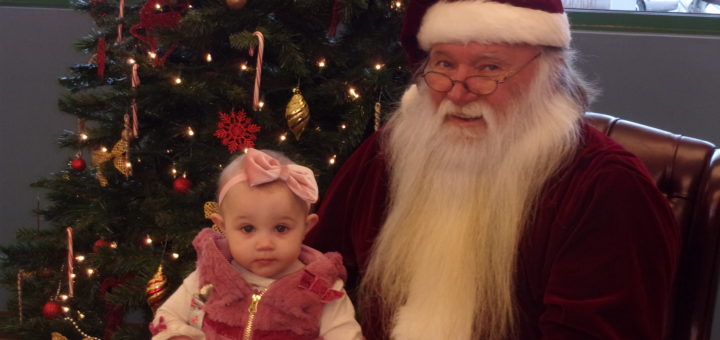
(252, 309)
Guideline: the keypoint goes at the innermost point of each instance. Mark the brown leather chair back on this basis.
(687, 171)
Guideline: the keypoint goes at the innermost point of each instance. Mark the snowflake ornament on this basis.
(236, 130)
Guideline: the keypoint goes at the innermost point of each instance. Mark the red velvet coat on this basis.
(597, 263)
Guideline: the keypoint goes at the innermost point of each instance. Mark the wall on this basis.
(670, 82)
(36, 47)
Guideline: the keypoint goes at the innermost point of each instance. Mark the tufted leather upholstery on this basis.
(687, 171)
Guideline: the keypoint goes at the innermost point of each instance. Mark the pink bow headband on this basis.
(260, 168)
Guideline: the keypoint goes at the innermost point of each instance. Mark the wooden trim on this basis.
(37, 3)
(644, 22)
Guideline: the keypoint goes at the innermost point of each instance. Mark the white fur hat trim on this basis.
(485, 21)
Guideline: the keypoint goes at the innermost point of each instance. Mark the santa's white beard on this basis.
(443, 263)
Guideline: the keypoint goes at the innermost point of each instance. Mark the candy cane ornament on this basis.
(121, 15)
(70, 261)
(135, 81)
(258, 69)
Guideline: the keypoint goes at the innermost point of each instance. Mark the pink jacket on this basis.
(289, 309)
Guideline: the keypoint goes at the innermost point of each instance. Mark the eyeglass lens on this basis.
(476, 84)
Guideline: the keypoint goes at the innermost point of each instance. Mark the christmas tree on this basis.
(174, 89)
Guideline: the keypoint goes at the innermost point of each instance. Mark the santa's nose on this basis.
(459, 93)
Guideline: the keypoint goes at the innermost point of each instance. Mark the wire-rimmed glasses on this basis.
(477, 84)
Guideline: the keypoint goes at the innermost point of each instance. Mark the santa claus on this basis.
(486, 208)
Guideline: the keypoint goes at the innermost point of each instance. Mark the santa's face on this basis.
(515, 64)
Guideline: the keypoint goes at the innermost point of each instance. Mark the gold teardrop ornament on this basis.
(156, 289)
(297, 113)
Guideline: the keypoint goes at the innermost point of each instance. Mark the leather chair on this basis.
(687, 171)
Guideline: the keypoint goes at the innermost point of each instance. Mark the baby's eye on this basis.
(247, 228)
(281, 228)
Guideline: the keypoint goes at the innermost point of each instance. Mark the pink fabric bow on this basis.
(260, 168)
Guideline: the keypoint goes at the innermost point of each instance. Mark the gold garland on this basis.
(22, 274)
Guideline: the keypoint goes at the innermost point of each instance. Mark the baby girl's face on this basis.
(265, 227)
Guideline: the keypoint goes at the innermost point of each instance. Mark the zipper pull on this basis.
(254, 303)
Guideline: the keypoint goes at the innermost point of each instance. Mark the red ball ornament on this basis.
(78, 164)
(182, 185)
(52, 310)
(101, 243)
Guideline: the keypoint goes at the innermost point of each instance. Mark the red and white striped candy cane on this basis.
(70, 261)
(258, 69)
(121, 15)
(135, 81)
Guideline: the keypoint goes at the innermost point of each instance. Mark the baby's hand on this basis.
(180, 337)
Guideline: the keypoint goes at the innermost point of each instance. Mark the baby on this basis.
(255, 279)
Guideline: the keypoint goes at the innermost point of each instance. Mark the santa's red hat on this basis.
(534, 22)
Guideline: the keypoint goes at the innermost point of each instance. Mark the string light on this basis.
(178, 81)
(87, 336)
(396, 4)
(321, 63)
(261, 104)
(175, 256)
(152, 55)
(353, 93)
(378, 66)
(128, 165)
(64, 297)
(173, 172)
(148, 240)
(113, 245)
(90, 272)
(73, 275)
(83, 136)
(243, 67)
(103, 149)
(343, 126)
(65, 309)
(190, 131)
(283, 137)
(131, 61)
(158, 6)
(331, 161)
(208, 57)
(80, 258)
